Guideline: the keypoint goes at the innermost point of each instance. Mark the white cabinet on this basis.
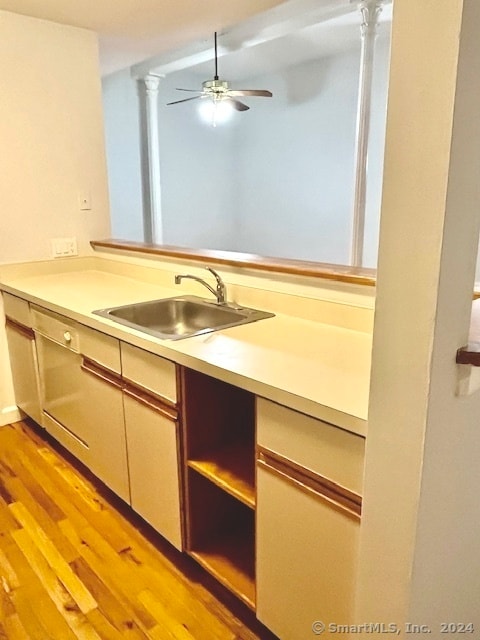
(23, 356)
(309, 476)
(103, 409)
(115, 409)
(151, 422)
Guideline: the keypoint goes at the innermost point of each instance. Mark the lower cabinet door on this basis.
(153, 468)
(306, 559)
(103, 416)
(23, 359)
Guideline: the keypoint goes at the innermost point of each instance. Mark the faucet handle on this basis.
(221, 286)
(215, 274)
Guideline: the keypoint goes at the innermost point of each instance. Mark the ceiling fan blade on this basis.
(192, 90)
(250, 92)
(184, 100)
(236, 104)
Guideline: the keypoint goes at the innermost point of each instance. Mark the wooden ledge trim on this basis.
(20, 328)
(469, 354)
(310, 482)
(339, 273)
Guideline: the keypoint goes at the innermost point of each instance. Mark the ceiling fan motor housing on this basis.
(215, 86)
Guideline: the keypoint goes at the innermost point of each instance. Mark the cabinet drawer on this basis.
(149, 371)
(320, 447)
(100, 347)
(56, 327)
(17, 309)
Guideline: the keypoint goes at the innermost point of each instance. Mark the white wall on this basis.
(51, 133)
(51, 128)
(419, 552)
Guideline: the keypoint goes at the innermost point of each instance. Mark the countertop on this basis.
(319, 369)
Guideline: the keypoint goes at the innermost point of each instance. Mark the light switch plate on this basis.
(85, 201)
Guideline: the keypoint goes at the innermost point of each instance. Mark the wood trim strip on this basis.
(469, 354)
(20, 328)
(101, 372)
(311, 482)
(168, 404)
(340, 273)
(150, 400)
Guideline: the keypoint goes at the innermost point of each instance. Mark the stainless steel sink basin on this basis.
(181, 317)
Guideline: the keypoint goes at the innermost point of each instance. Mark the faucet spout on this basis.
(220, 292)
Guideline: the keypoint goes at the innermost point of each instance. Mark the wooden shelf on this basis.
(232, 468)
(230, 559)
(218, 428)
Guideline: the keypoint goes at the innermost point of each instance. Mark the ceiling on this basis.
(133, 30)
(167, 35)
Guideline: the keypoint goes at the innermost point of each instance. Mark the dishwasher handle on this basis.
(54, 327)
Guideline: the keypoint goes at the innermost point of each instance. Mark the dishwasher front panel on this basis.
(63, 389)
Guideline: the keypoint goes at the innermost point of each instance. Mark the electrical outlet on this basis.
(63, 247)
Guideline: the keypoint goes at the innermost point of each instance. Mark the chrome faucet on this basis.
(220, 292)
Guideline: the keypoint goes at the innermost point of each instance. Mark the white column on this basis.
(153, 146)
(370, 10)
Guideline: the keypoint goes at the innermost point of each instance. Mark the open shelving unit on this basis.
(219, 465)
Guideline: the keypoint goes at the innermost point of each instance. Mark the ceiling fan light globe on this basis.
(215, 112)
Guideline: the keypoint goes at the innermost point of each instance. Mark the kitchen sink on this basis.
(181, 317)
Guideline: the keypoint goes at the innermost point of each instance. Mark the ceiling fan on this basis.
(218, 90)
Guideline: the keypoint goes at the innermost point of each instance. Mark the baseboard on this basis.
(9, 415)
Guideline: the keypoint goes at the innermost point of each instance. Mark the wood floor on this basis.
(74, 566)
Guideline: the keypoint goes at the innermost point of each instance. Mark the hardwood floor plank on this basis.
(115, 612)
(36, 610)
(7, 521)
(63, 601)
(159, 632)
(103, 627)
(158, 610)
(8, 577)
(14, 628)
(82, 488)
(105, 562)
(174, 602)
(6, 605)
(77, 564)
(22, 494)
(58, 564)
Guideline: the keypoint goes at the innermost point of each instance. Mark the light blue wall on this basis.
(277, 180)
(295, 162)
(122, 138)
(197, 170)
